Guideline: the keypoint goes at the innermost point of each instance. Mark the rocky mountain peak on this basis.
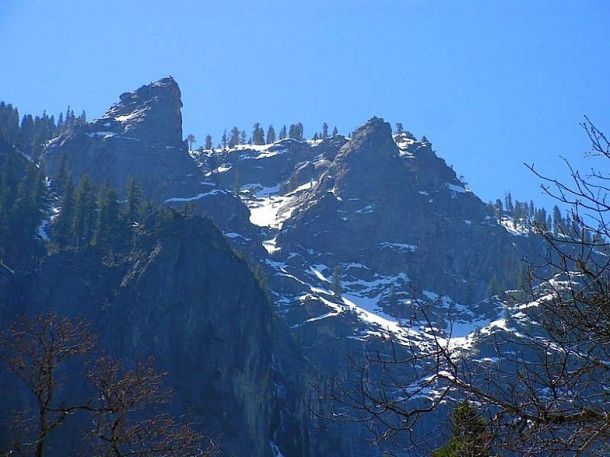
(151, 113)
(369, 143)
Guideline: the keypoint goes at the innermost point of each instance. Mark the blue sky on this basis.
(492, 84)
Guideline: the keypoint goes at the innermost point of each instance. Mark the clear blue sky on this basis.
(492, 84)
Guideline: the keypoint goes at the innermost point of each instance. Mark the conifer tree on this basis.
(107, 227)
(258, 134)
(234, 138)
(84, 221)
(62, 227)
(224, 139)
(270, 135)
(25, 216)
(294, 133)
(191, 140)
(335, 131)
(509, 203)
(324, 130)
(283, 133)
(557, 220)
(134, 201)
(469, 434)
(26, 134)
(208, 143)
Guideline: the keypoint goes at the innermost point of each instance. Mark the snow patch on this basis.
(196, 197)
(399, 246)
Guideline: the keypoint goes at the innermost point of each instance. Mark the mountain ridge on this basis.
(345, 233)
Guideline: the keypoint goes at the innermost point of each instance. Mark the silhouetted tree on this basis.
(270, 135)
(324, 130)
(234, 138)
(224, 139)
(191, 140)
(258, 134)
(208, 143)
(84, 220)
(62, 226)
(108, 228)
(126, 408)
(296, 131)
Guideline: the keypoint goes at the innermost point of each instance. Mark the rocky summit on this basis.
(151, 114)
(140, 138)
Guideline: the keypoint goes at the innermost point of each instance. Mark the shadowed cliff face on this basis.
(182, 296)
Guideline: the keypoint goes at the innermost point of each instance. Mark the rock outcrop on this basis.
(141, 137)
(401, 211)
(150, 114)
(138, 137)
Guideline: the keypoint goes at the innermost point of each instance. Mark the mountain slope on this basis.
(182, 296)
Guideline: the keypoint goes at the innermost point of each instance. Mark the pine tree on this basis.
(557, 220)
(296, 132)
(134, 201)
(283, 133)
(107, 228)
(62, 227)
(208, 143)
(258, 134)
(270, 135)
(234, 138)
(399, 128)
(324, 130)
(191, 140)
(26, 134)
(470, 437)
(84, 220)
(335, 131)
(9, 123)
(499, 209)
(224, 139)
(26, 215)
(509, 203)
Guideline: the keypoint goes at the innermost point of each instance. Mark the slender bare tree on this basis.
(126, 408)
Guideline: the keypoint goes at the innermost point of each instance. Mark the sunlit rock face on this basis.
(138, 137)
(151, 114)
(401, 210)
